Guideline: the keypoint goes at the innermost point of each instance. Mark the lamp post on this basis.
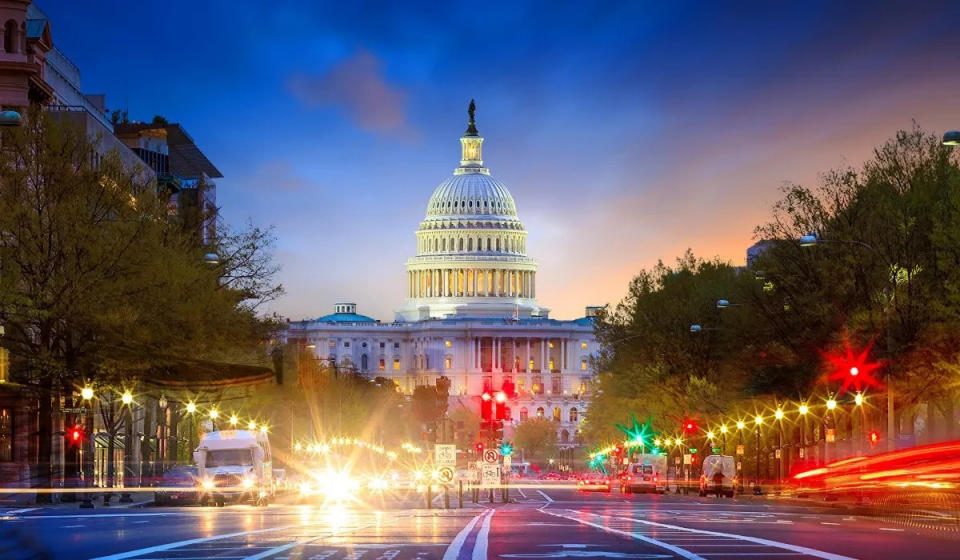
(86, 393)
(831, 407)
(126, 399)
(811, 240)
(778, 415)
(162, 443)
(802, 410)
(191, 409)
(758, 421)
(740, 427)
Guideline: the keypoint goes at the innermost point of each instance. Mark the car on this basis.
(596, 482)
(179, 485)
(642, 477)
(551, 476)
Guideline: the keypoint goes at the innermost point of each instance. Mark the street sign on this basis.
(687, 458)
(801, 451)
(777, 455)
(491, 456)
(715, 450)
(445, 474)
(490, 475)
(693, 450)
(445, 454)
(831, 435)
(739, 450)
(80, 410)
(676, 460)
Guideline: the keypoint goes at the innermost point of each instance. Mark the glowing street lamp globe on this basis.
(126, 397)
(191, 407)
(86, 393)
(803, 409)
(214, 414)
(778, 414)
(858, 399)
(234, 421)
(831, 404)
(758, 419)
(741, 424)
(723, 429)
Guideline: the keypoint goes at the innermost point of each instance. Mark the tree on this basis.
(97, 283)
(537, 437)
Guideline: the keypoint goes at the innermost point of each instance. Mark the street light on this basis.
(251, 425)
(191, 407)
(803, 409)
(234, 420)
(758, 421)
(86, 393)
(126, 398)
(831, 404)
(778, 414)
(858, 399)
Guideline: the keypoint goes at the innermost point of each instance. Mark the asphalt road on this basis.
(545, 523)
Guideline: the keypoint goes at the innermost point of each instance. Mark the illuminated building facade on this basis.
(471, 312)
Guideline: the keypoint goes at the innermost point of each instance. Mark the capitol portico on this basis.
(471, 312)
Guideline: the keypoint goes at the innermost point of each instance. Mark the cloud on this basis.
(357, 86)
(279, 174)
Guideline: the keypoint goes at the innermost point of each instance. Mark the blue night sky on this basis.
(625, 132)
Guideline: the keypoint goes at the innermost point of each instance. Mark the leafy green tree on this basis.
(537, 438)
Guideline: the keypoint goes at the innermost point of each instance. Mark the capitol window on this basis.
(396, 345)
(540, 412)
(583, 345)
(382, 345)
(447, 363)
(382, 365)
(346, 345)
(396, 364)
(583, 364)
(448, 344)
(333, 344)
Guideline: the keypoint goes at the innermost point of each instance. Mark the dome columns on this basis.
(471, 282)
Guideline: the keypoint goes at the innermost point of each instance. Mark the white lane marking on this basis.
(522, 495)
(21, 510)
(545, 497)
(480, 547)
(295, 543)
(72, 526)
(168, 546)
(775, 544)
(890, 529)
(457, 543)
(674, 549)
(738, 554)
(96, 515)
(828, 523)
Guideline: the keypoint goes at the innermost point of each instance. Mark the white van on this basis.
(646, 475)
(719, 475)
(235, 465)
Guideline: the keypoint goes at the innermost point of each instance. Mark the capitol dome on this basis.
(471, 247)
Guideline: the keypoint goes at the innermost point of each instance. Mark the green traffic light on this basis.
(506, 450)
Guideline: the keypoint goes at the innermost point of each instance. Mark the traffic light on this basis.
(74, 436)
(689, 426)
(873, 437)
(501, 406)
(509, 388)
(497, 430)
(506, 449)
(486, 406)
(479, 447)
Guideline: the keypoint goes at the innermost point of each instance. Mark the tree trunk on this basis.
(948, 414)
(44, 445)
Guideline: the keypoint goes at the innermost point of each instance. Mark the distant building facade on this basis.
(471, 313)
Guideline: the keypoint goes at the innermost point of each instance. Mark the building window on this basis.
(364, 345)
(556, 385)
(396, 364)
(383, 345)
(583, 364)
(363, 363)
(531, 365)
(583, 345)
(346, 345)
(6, 435)
(537, 385)
(382, 365)
(583, 387)
(396, 345)
(539, 412)
(564, 436)
(556, 414)
(549, 345)
(447, 363)
(523, 414)
(521, 383)
(574, 414)
(551, 364)
(448, 343)
(333, 344)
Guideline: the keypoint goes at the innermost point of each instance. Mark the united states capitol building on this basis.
(471, 312)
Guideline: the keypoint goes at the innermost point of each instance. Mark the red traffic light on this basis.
(874, 437)
(486, 396)
(501, 397)
(74, 435)
(479, 447)
(689, 426)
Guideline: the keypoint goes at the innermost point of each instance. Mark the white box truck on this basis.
(235, 466)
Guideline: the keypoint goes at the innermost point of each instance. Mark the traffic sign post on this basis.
(445, 454)
(491, 456)
(445, 474)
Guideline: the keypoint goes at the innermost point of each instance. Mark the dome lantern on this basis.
(471, 146)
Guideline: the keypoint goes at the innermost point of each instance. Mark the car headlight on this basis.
(247, 483)
(207, 484)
